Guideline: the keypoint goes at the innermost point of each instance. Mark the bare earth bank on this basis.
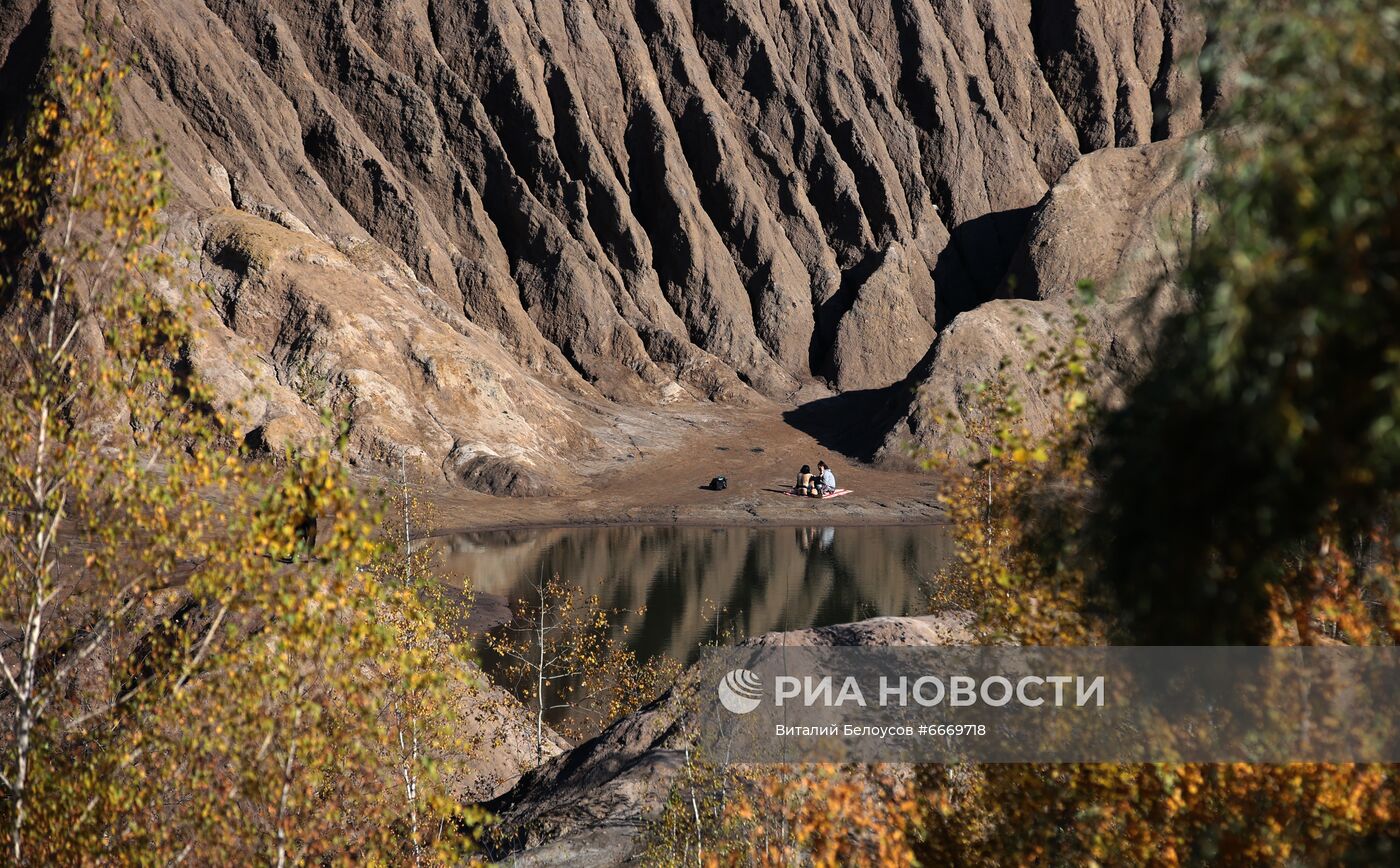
(660, 462)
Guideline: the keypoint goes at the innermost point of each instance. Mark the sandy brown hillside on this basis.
(464, 227)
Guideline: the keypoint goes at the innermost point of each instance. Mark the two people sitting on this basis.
(815, 484)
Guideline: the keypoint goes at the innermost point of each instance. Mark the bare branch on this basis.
(203, 648)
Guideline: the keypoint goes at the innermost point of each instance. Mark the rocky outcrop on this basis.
(1121, 219)
(297, 328)
(887, 331)
(648, 202)
(588, 805)
(495, 736)
(1135, 87)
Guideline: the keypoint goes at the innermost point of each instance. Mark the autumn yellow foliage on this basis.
(204, 659)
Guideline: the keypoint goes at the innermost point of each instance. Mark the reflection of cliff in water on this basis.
(697, 584)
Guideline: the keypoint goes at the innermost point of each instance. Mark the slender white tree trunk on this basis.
(695, 809)
(539, 689)
(410, 780)
(40, 569)
(288, 767)
(48, 514)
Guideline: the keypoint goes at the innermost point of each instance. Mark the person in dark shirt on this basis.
(806, 482)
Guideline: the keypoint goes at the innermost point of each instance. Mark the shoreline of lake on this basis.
(757, 452)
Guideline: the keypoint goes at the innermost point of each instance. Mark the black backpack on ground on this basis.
(719, 483)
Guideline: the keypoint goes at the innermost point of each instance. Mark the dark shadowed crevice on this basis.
(364, 188)
(698, 133)
(532, 157)
(1124, 133)
(1069, 68)
(19, 74)
(830, 312)
(652, 203)
(870, 184)
(829, 420)
(952, 276)
(1161, 99)
(979, 250)
(915, 93)
(840, 213)
(699, 129)
(599, 205)
(760, 78)
(739, 64)
(658, 215)
(978, 254)
(1212, 76)
(501, 198)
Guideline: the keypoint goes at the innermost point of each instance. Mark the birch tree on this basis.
(174, 684)
(563, 657)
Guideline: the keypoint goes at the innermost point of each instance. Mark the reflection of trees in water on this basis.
(698, 584)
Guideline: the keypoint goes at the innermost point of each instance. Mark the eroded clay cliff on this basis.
(459, 225)
(1120, 221)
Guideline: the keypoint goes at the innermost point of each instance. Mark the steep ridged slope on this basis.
(650, 200)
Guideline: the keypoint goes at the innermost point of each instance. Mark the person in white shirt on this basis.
(827, 478)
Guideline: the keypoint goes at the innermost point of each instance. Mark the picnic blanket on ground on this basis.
(827, 496)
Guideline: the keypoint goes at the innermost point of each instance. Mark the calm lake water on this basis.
(698, 585)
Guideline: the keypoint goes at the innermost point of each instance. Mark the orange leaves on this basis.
(821, 815)
(1020, 510)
